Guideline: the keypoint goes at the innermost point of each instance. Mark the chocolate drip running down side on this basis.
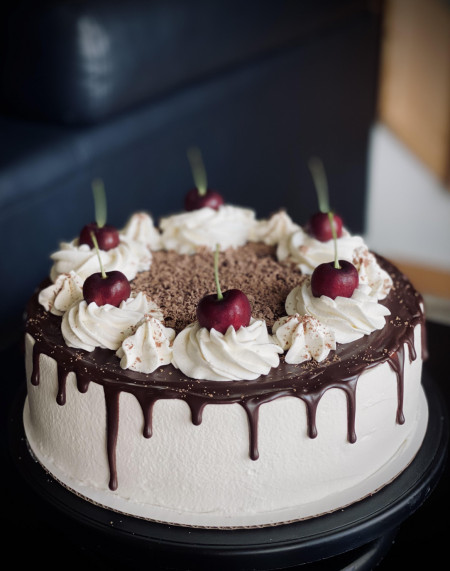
(308, 381)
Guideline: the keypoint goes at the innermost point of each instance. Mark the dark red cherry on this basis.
(233, 309)
(107, 236)
(328, 280)
(194, 200)
(112, 289)
(319, 226)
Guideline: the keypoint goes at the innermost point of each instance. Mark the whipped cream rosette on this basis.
(274, 230)
(304, 338)
(308, 253)
(87, 326)
(370, 273)
(140, 228)
(131, 256)
(148, 348)
(350, 318)
(59, 296)
(245, 354)
(187, 232)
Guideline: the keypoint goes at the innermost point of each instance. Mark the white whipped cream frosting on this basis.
(59, 296)
(304, 338)
(370, 273)
(148, 348)
(304, 250)
(129, 257)
(307, 252)
(273, 230)
(229, 226)
(244, 354)
(87, 326)
(350, 318)
(140, 228)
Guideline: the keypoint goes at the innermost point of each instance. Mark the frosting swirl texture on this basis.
(304, 338)
(148, 348)
(350, 318)
(140, 228)
(244, 354)
(308, 253)
(186, 232)
(129, 257)
(274, 230)
(59, 296)
(87, 326)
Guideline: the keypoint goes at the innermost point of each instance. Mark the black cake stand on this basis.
(355, 538)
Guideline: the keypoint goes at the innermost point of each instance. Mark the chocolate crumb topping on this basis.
(177, 282)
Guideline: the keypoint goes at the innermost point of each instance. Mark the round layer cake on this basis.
(161, 434)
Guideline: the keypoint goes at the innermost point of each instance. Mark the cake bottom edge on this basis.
(386, 474)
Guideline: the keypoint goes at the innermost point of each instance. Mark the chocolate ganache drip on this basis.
(308, 381)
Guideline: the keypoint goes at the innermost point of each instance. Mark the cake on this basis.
(316, 404)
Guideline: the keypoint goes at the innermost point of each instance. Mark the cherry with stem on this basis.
(320, 224)
(200, 196)
(107, 236)
(220, 310)
(337, 278)
(105, 287)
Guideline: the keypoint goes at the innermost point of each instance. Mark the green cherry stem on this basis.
(216, 272)
(198, 170)
(333, 231)
(320, 182)
(97, 249)
(98, 190)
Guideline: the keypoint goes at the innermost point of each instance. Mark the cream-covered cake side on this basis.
(203, 475)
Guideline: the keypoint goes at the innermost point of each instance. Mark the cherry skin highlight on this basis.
(328, 280)
(233, 309)
(319, 226)
(112, 289)
(107, 236)
(194, 200)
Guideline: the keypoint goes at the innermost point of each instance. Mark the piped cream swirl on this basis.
(307, 252)
(87, 326)
(244, 354)
(148, 348)
(188, 232)
(274, 230)
(304, 338)
(350, 318)
(129, 257)
(140, 228)
(59, 296)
